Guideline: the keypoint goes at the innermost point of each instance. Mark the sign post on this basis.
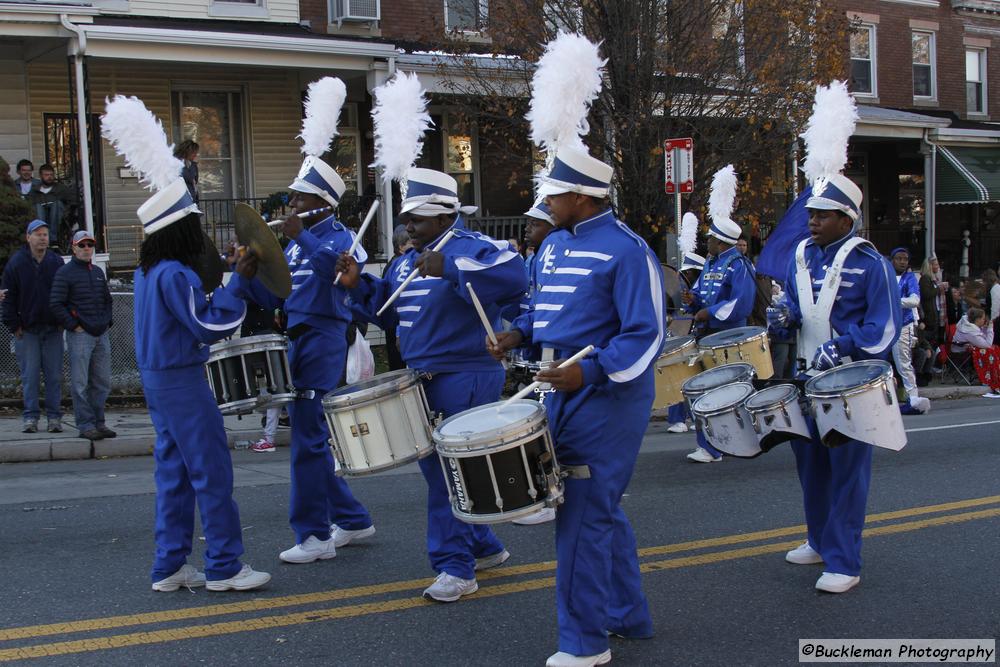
(678, 155)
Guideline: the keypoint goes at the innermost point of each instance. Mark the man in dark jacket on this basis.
(38, 340)
(81, 301)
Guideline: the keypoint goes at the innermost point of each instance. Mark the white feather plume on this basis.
(324, 99)
(567, 80)
(138, 135)
(400, 117)
(687, 238)
(723, 195)
(830, 127)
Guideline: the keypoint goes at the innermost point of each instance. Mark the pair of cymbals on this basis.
(253, 232)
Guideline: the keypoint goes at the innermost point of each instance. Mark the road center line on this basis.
(264, 604)
(365, 609)
(947, 426)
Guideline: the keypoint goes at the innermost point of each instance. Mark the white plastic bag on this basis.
(360, 360)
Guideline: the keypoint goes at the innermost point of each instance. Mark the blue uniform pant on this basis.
(703, 442)
(598, 585)
(193, 463)
(678, 412)
(318, 496)
(453, 545)
(835, 492)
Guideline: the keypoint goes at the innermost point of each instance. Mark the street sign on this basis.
(678, 155)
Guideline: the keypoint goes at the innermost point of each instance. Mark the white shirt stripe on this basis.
(539, 325)
(224, 326)
(548, 306)
(415, 292)
(405, 323)
(590, 255)
(564, 289)
(572, 270)
(408, 309)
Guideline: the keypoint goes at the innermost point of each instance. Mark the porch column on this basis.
(930, 195)
(78, 50)
(378, 74)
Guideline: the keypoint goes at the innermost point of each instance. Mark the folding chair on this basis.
(957, 361)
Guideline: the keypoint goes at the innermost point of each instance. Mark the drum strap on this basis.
(576, 472)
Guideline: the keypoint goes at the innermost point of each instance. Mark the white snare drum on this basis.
(715, 377)
(522, 371)
(777, 416)
(746, 344)
(250, 374)
(724, 420)
(857, 401)
(380, 423)
(678, 361)
(499, 463)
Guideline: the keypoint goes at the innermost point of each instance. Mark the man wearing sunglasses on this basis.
(81, 301)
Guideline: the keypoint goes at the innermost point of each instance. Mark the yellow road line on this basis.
(354, 611)
(263, 604)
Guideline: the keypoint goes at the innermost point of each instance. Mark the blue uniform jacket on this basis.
(909, 293)
(727, 287)
(866, 315)
(599, 285)
(439, 329)
(175, 323)
(312, 259)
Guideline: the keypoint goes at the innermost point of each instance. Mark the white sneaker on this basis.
(562, 659)
(187, 576)
(920, 403)
(701, 455)
(310, 550)
(679, 427)
(832, 582)
(342, 537)
(447, 588)
(992, 394)
(803, 555)
(486, 562)
(541, 516)
(244, 580)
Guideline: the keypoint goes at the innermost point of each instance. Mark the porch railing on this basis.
(502, 228)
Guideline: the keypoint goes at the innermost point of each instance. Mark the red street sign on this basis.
(678, 155)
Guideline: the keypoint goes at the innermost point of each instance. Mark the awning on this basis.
(967, 175)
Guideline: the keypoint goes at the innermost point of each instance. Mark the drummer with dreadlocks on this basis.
(723, 296)
(174, 325)
(843, 298)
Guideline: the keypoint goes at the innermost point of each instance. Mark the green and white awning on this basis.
(967, 175)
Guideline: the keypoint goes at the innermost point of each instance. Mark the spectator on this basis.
(24, 181)
(975, 332)
(743, 244)
(51, 200)
(931, 288)
(923, 357)
(38, 340)
(992, 296)
(81, 302)
(400, 244)
(187, 152)
(516, 244)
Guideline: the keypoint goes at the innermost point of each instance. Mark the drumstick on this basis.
(413, 274)
(361, 233)
(534, 385)
(482, 316)
(303, 214)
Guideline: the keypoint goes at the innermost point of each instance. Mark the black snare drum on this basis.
(250, 374)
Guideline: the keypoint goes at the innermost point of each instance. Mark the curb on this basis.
(953, 392)
(66, 449)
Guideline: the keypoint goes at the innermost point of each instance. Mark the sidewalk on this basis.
(135, 437)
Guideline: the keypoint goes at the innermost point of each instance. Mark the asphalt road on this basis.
(76, 542)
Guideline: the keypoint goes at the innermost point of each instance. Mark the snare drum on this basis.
(724, 420)
(715, 377)
(522, 371)
(777, 415)
(380, 423)
(857, 401)
(678, 361)
(250, 374)
(747, 344)
(499, 462)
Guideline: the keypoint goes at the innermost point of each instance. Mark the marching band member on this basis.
(323, 512)
(902, 351)
(440, 334)
(842, 296)
(174, 325)
(692, 265)
(724, 294)
(598, 283)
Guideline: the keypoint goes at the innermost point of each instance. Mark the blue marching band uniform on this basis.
(440, 335)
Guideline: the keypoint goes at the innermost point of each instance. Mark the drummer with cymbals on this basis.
(723, 296)
(323, 512)
(843, 298)
(440, 334)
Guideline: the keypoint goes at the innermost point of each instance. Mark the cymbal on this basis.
(272, 268)
(209, 265)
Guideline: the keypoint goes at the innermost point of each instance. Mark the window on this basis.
(975, 80)
(345, 153)
(214, 119)
(451, 146)
(466, 15)
(863, 61)
(923, 65)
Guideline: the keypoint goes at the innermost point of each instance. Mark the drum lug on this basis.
(887, 393)
(847, 407)
(705, 426)
(784, 413)
(755, 423)
(739, 419)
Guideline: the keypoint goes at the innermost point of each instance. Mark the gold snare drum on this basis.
(744, 344)
(677, 362)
